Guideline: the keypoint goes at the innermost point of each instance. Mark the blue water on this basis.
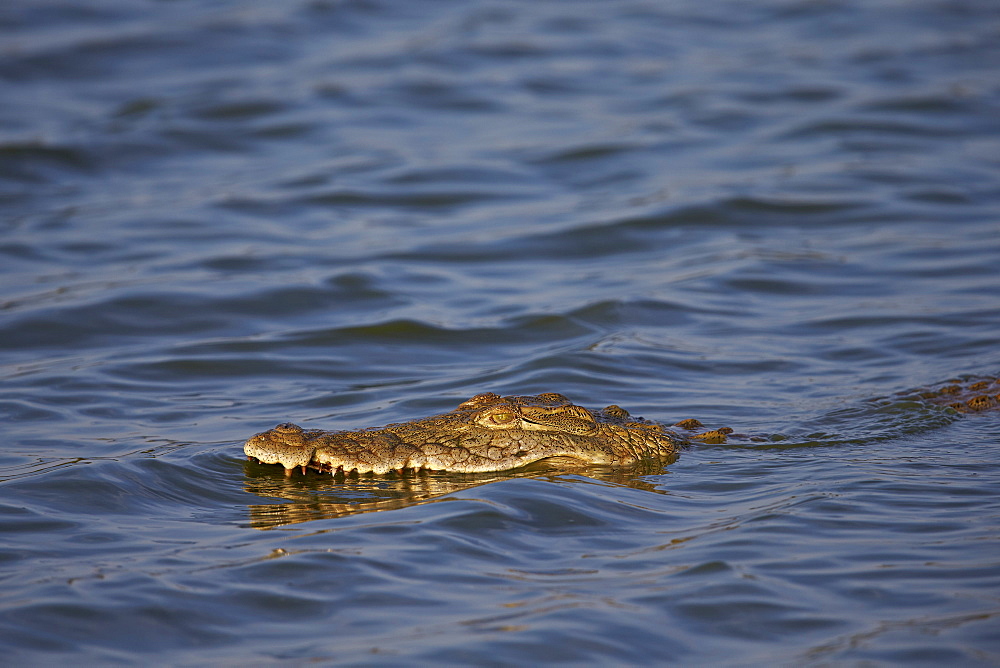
(218, 216)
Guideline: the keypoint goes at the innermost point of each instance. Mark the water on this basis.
(219, 216)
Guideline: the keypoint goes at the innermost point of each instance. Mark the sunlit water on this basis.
(219, 216)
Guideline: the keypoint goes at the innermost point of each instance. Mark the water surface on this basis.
(218, 216)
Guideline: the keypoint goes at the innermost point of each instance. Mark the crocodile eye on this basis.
(502, 418)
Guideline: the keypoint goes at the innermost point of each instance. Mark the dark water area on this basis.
(219, 216)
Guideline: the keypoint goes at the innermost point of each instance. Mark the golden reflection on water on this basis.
(315, 496)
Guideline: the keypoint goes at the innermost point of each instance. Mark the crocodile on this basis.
(489, 432)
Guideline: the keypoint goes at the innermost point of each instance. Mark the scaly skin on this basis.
(493, 433)
(971, 396)
(485, 433)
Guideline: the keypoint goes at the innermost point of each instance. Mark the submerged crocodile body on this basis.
(493, 433)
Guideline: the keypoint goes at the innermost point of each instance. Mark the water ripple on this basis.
(221, 217)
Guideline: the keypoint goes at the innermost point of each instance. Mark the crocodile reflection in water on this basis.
(493, 433)
(309, 498)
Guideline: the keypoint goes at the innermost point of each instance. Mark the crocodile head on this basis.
(485, 433)
(493, 433)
